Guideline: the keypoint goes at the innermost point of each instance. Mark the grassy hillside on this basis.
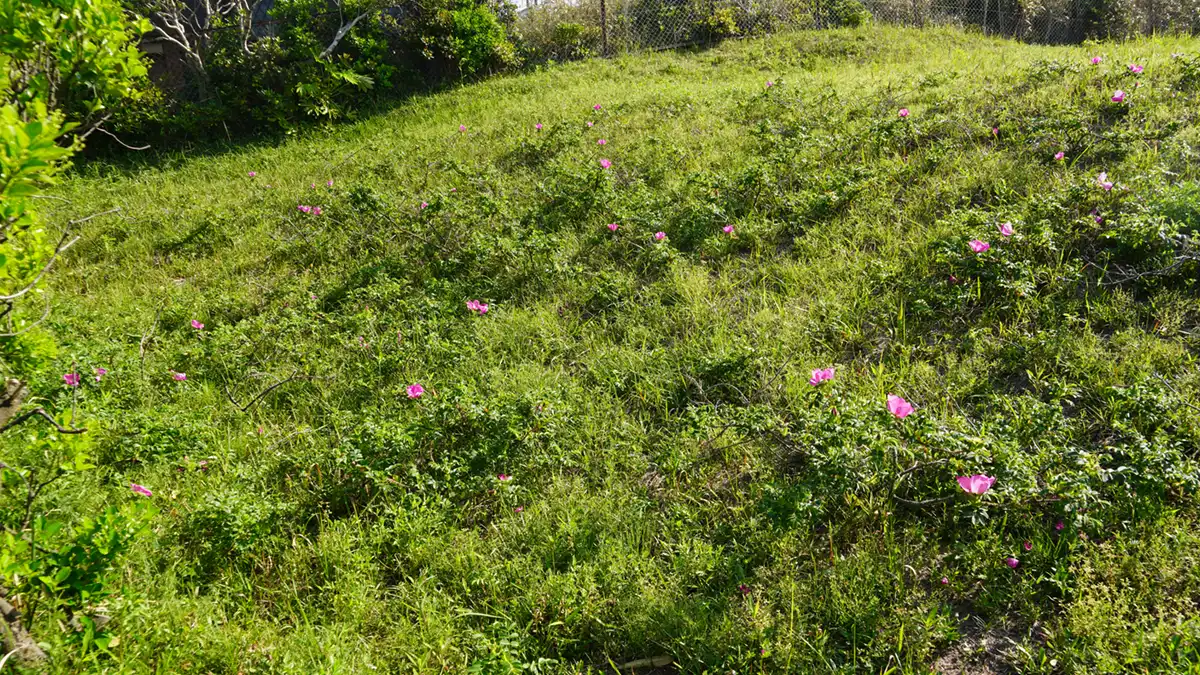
(623, 458)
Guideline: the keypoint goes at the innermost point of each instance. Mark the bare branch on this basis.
(40, 412)
(245, 408)
(341, 34)
(113, 136)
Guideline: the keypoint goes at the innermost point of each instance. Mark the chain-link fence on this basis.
(563, 29)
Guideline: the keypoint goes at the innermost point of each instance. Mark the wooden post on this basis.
(604, 26)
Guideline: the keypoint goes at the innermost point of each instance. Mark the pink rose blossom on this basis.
(1118, 96)
(601, 142)
(604, 163)
(1058, 156)
(178, 377)
(898, 406)
(197, 325)
(978, 246)
(903, 112)
(976, 485)
(72, 379)
(659, 236)
(1012, 562)
(613, 227)
(415, 391)
(252, 174)
(820, 375)
(1096, 60)
(1006, 229)
(728, 229)
(140, 490)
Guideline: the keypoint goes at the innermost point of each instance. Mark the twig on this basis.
(1176, 392)
(62, 246)
(923, 502)
(245, 408)
(113, 136)
(40, 412)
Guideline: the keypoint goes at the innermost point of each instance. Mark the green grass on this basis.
(650, 400)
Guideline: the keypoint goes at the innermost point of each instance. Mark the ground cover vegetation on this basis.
(853, 350)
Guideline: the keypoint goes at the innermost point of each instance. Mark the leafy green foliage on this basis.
(623, 460)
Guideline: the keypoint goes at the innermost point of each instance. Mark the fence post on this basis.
(604, 26)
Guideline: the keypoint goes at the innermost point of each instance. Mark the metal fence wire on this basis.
(564, 29)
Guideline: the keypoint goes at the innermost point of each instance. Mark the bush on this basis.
(298, 68)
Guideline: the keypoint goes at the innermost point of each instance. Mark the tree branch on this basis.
(40, 412)
(341, 34)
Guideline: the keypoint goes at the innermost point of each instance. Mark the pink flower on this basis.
(945, 581)
(462, 128)
(659, 236)
(995, 131)
(820, 375)
(1135, 68)
(415, 391)
(1118, 96)
(1028, 546)
(1096, 60)
(744, 589)
(329, 183)
(1012, 562)
(252, 174)
(903, 112)
(316, 210)
(590, 124)
(141, 490)
(100, 373)
(728, 229)
(613, 227)
(197, 325)
(1058, 156)
(596, 107)
(1058, 527)
(504, 478)
(952, 279)
(424, 205)
(477, 306)
(977, 484)
(601, 142)
(313, 186)
(519, 509)
(178, 377)
(1102, 181)
(538, 126)
(604, 163)
(303, 207)
(770, 84)
(898, 406)
(978, 246)
(72, 379)
(1006, 229)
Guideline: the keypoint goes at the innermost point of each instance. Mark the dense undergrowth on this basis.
(623, 458)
